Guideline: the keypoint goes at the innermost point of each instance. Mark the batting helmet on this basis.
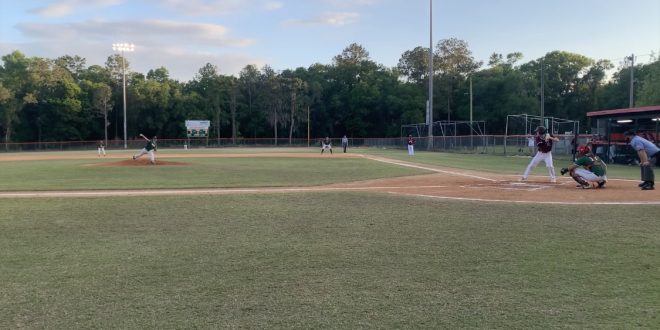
(540, 130)
(583, 150)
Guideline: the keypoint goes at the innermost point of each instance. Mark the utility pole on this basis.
(631, 102)
(430, 116)
(471, 143)
(542, 94)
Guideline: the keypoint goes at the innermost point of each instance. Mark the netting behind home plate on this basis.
(519, 128)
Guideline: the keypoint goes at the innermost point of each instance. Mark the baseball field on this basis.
(289, 238)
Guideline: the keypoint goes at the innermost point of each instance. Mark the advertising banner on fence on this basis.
(198, 128)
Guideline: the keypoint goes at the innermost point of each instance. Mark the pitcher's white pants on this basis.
(411, 149)
(152, 155)
(546, 157)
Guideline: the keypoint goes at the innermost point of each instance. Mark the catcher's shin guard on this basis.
(579, 179)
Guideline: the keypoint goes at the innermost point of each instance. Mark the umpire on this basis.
(648, 157)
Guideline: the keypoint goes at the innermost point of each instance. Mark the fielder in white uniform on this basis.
(101, 148)
(544, 153)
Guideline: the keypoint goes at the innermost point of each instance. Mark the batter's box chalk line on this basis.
(507, 185)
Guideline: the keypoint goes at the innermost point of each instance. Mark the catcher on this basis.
(588, 170)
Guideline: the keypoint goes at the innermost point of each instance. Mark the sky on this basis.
(184, 35)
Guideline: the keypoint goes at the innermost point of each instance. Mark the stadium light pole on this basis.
(470, 93)
(430, 112)
(631, 101)
(122, 48)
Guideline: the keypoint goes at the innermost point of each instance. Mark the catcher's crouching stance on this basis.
(588, 170)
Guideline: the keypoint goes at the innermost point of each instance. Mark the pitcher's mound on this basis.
(141, 162)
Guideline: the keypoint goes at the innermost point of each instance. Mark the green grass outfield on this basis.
(76, 174)
(317, 260)
(325, 260)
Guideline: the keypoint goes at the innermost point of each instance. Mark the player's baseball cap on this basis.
(630, 132)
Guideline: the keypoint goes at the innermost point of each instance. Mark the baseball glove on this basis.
(563, 171)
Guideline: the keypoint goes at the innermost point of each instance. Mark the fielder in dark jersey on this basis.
(411, 145)
(326, 144)
(149, 148)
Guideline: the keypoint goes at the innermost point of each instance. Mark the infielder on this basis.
(326, 144)
(411, 145)
(544, 142)
(101, 148)
(150, 149)
(588, 170)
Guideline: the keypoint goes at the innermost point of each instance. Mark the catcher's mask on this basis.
(583, 150)
(540, 130)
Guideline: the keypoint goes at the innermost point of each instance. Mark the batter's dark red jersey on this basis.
(543, 145)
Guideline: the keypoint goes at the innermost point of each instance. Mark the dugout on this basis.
(608, 126)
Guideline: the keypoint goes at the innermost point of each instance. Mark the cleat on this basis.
(601, 184)
(553, 180)
(133, 157)
(648, 187)
(642, 184)
(523, 179)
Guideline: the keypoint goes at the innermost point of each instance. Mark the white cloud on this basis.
(333, 19)
(273, 5)
(351, 3)
(180, 47)
(202, 7)
(67, 7)
(149, 32)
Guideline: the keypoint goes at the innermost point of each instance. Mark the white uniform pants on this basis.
(152, 155)
(411, 149)
(546, 157)
(101, 151)
(588, 175)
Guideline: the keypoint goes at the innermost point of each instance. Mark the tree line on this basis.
(63, 99)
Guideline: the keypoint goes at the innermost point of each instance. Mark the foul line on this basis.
(390, 161)
(214, 191)
(524, 202)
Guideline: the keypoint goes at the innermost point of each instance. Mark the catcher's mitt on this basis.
(563, 171)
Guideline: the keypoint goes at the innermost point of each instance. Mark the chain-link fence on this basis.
(486, 144)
